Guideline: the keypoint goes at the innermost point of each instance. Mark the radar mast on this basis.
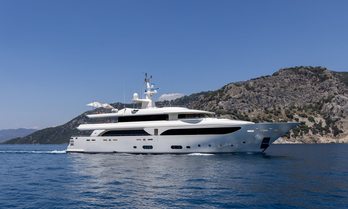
(150, 91)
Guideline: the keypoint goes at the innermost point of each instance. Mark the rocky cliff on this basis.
(315, 96)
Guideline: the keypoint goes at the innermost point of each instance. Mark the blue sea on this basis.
(286, 176)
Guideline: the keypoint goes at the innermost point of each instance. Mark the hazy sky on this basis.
(58, 55)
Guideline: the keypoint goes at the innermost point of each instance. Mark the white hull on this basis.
(248, 139)
(152, 130)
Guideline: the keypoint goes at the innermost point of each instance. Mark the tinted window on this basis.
(126, 133)
(176, 147)
(265, 143)
(186, 116)
(200, 131)
(142, 118)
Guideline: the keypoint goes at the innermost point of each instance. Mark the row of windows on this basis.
(158, 117)
(151, 147)
(188, 131)
(105, 140)
(175, 146)
(200, 131)
(143, 118)
(188, 116)
(126, 133)
(172, 147)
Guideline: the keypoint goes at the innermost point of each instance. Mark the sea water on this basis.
(286, 176)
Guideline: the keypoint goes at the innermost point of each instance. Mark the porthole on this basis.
(93, 140)
(134, 147)
(88, 140)
(199, 145)
(188, 147)
(243, 142)
(209, 145)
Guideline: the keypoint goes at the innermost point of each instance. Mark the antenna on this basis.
(124, 94)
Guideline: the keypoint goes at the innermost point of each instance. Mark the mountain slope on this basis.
(60, 134)
(314, 96)
(7, 134)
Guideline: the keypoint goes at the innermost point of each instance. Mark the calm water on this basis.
(288, 176)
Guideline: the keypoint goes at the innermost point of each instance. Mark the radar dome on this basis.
(135, 96)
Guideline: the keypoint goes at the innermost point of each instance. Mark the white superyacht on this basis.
(172, 130)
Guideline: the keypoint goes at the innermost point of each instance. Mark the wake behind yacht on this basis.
(172, 130)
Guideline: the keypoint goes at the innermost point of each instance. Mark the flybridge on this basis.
(150, 111)
(146, 103)
(147, 106)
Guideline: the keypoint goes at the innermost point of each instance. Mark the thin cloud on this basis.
(170, 97)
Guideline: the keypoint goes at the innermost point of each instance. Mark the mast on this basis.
(150, 91)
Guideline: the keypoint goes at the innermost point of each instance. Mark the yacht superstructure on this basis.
(172, 130)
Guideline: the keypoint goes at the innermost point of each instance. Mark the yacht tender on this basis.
(172, 130)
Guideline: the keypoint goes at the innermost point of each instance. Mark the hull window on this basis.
(176, 147)
(147, 147)
(201, 131)
(126, 133)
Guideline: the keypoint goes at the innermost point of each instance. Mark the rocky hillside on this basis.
(314, 96)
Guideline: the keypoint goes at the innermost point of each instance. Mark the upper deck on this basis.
(150, 111)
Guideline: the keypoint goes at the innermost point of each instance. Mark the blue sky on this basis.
(58, 55)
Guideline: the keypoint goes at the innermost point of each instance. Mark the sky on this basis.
(56, 56)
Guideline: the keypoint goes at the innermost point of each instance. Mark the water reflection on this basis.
(232, 180)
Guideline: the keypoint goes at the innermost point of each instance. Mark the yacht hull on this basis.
(250, 138)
